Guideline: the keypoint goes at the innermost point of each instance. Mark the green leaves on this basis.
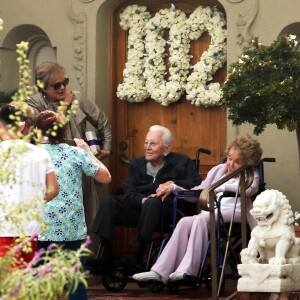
(263, 87)
(57, 272)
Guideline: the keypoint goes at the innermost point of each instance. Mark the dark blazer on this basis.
(177, 167)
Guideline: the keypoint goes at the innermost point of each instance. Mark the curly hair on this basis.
(269, 200)
(48, 121)
(248, 147)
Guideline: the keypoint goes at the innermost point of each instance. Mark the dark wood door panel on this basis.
(192, 126)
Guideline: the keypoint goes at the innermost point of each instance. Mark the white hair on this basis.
(167, 135)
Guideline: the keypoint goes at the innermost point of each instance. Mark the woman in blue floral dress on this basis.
(64, 216)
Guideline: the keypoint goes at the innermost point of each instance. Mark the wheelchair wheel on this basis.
(142, 284)
(156, 287)
(115, 281)
(173, 288)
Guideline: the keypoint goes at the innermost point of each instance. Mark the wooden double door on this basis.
(192, 126)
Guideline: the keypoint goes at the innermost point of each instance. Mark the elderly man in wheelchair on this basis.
(138, 206)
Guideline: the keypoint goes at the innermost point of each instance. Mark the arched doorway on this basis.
(40, 49)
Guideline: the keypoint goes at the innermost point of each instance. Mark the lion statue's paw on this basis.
(277, 261)
(248, 256)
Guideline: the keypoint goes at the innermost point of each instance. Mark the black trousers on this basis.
(154, 215)
(114, 210)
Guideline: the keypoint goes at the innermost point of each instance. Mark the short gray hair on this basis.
(167, 135)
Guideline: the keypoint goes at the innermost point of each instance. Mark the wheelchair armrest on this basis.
(191, 196)
(228, 194)
(191, 193)
(225, 194)
(268, 159)
(188, 196)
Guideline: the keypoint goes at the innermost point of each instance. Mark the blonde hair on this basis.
(248, 147)
(47, 71)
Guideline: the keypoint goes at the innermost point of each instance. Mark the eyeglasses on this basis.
(57, 85)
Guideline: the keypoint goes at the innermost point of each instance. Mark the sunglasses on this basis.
(57, 85)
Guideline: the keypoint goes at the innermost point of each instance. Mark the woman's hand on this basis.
(68, 97)
(102, 154)
(82, 144)
(66, 103)
(102, 175)
(164, 190)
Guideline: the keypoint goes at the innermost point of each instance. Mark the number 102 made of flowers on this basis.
(145, 71)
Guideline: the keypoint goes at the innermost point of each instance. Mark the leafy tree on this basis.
(263, 87)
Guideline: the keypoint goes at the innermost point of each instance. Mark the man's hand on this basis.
(146, 198)
(164, 190)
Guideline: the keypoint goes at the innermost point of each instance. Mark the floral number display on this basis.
(133, 88)
(161, 90)
(145, 70)
(198, 90)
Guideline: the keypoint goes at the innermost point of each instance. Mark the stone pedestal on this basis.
(268, 278)
(267, 296)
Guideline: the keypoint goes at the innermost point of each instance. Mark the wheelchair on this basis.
(228, 246)
(117, 279)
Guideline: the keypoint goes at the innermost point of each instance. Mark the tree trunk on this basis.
(298, 140)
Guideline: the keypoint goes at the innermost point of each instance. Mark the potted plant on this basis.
(263, 87)
(297, 223)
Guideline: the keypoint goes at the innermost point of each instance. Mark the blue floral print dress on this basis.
(64, 215)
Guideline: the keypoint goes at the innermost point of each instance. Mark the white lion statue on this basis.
(273, 240)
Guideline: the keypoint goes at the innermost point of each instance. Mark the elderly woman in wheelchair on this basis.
(183, 253)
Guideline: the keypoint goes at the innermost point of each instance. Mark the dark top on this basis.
(177, 167)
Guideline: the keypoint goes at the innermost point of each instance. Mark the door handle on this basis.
(123, 146)
(124, 159)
